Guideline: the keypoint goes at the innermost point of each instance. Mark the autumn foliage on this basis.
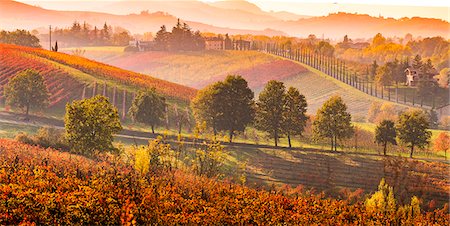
(13, 58)
(45, 186)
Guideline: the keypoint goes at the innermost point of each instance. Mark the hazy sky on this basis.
(388, 8)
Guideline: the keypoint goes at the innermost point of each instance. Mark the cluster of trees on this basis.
(229, 106)
(411, 128)
(86, 35)
(19, 37)
(391, 72)
(181, 38)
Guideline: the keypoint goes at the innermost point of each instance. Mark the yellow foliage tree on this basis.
(442, 143)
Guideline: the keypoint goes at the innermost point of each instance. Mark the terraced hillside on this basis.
(197, 69)
(331, 172)
(67, 75)
(317, 89)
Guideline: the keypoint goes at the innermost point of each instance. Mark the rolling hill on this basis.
(247, 18)
(46, 186)
(16, 15)
(198, 69)
(71, 77)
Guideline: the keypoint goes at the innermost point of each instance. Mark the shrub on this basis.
(51, 137)
(209, 160)
(24, 138)
(156, 156)
(46, 137)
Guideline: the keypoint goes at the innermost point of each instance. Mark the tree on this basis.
(333, 121)
(373, 69)
(384, 75)
(162, 39)
(385, 133)
(442, 143)
(19, 37)
(412, 129)
(55, 49)
(417, 62)
(237, 107)
(378, 39)
(225, 105)
(294, 113)
(148, 107)
(27, 90)
(90, 125)
(269, 110)
(207, 106)
(443, 77)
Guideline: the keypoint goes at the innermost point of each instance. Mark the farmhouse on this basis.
(241, 44)
(414, 76)
(214, 43)
(142, 45)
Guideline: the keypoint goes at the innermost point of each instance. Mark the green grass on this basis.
(318, 87)
(8, 130)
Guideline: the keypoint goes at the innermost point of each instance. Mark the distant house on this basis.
(415, 76)
(142, 45)
(241, 45)
(214, 43)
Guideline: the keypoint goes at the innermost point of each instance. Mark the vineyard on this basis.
(44, 186)
(198, 69)
(62, 86)
(317, 89)
(332, 172)
(63, 66)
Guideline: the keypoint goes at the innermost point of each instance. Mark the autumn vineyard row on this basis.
(45, 186)
(62, 85)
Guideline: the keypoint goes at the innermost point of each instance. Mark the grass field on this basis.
(197, 69)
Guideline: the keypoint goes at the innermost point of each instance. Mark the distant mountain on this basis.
(233, 17)
(364, 26)
(16, 15)
(252, 8)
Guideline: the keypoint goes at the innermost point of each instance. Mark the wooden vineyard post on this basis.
(124, 102)
(177, 116)
(94, 89)
(376, 94)
(188, 120)
(396, 93)
(389, 93)
(404, 96)
(167, 117)
(83, 95)
(104, 89)
(114, 96)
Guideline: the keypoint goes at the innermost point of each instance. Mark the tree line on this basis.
(224, 106)
(19, 37)
(180, 38)
(88, 35)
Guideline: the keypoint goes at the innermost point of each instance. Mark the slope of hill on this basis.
(66, 75)
(16, 15)
(198, 69)
(45, 186)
